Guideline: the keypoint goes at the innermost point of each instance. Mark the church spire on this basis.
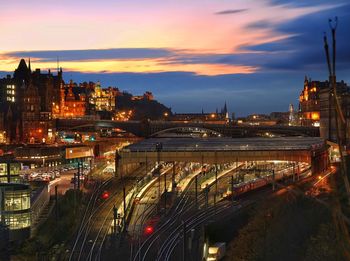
(29, 67)
(225, 108)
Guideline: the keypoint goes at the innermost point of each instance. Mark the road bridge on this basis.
(152, 128)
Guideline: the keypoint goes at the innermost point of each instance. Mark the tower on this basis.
(291, 120)
(62, 99)
(225, 111)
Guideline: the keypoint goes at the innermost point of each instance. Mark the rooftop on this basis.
(227, 144)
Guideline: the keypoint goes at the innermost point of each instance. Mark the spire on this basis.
(58, 65)
(225, 108)
(29, 67)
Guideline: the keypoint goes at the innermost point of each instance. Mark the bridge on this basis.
(309, 150)
(152, 128)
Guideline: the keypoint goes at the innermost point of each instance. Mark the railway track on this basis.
(98, 215)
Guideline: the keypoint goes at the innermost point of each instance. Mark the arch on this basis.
(187, 130)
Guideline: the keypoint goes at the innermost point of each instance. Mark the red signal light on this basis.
(105, 195)
(148, 230)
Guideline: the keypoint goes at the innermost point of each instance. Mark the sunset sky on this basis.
(191, 54)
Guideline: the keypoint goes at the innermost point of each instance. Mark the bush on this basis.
(280, 230)
(52, 233)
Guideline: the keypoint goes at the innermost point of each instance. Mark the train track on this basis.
(98, 216)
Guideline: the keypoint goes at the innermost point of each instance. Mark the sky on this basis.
(192, 54)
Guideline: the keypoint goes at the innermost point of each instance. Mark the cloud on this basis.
(305, 3)
(304, 49)
(230, 11)
(93, 54)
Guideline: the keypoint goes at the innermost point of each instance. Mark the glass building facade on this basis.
(15, 210)
(9, 169)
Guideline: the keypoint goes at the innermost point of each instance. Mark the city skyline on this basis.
(258, 48)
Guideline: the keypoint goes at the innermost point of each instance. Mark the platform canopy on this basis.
(223, 149)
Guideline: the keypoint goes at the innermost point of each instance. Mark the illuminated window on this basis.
(16, 200)
(15, 168)
(17, 221)
(315, 115)
(3, 169)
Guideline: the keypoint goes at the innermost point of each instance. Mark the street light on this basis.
(159, 147)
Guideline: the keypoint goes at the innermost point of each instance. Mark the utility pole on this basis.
(124, 206)
(115, 216)
(216, 183)
(196, 189)
(206, 195)
(56, 203)
(184, 241)
(340, 126)
(173, 177)
(146, 166)
(232, 188)
(165, 192)
(293, 171)
(117, 164)
(78, 175)
(159, 147)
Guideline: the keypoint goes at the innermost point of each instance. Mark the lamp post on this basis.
(159, 147)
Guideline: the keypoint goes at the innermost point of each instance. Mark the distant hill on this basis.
(143, 108)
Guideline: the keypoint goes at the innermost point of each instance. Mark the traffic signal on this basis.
(105, 195)
(149, 230)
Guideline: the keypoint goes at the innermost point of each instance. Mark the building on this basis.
(104, 99)
(317, 108)
(146, 96)
(212, 117)
(328, 118)
(73, 103)
(27, 102)
(34, 156)
(309, 102)
(9, 169)
(282, 118)
(257, 120)
(15, 210)
(36, 124)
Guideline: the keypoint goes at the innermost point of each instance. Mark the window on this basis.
(15, 168)
(17, 221)
(3, 169)
(16, 200)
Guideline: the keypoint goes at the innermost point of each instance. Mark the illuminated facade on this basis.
(34, 156)
(212, 117)
(26, 104)
(104, 99)
(123, 115)
(9, 169)
(309, 102)
(71, 104)
(15, 210)
(146, 96)
(317, 108)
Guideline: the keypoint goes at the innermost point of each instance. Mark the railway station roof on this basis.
(227, 144)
